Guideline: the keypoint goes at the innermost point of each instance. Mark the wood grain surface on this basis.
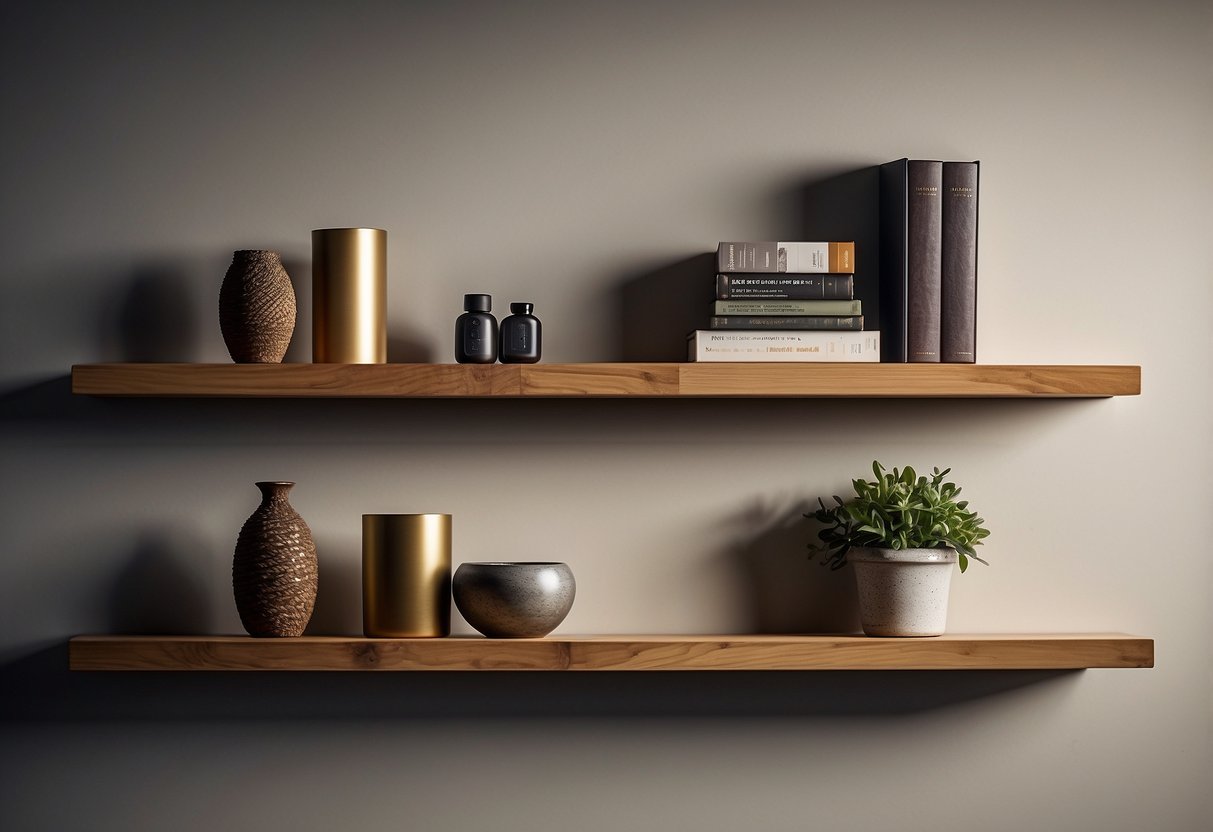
(607, 380)
(621, 652)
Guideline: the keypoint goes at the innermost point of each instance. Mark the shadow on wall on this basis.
(156, 319)
(36, 403)
(338, 609)
(658, 308)
(840, 207)
(161, 589)
(39, 687)
(408, 349)
(789, 590)
(300, 273)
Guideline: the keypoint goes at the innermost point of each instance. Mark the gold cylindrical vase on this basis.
(406, 575)
(349, 296)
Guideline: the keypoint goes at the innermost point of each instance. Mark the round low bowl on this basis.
(514, 600)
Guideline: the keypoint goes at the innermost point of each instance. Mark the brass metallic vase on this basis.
(274, 571)
(349, 296)
(406, 575)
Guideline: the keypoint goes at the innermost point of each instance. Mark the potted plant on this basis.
(903, 532)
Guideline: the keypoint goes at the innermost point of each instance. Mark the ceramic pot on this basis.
(256, 308)
(514, 600)
(903, 592)
(274, 570)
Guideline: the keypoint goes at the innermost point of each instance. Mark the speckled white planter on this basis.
(903, 592)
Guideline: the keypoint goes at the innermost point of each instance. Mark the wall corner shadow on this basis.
(787, 590)
(658, 308)
(41, 400)
(156, 320)
(838, 207)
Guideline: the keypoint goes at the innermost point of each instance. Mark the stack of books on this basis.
(785, 302)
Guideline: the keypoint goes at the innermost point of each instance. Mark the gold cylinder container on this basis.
(406, 575)
(349, 296)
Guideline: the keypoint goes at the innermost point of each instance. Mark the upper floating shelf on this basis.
(623, 652)
(610, 380)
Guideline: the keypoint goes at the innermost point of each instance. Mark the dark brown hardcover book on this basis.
(924, 224)
(807, 322)
(798, 287)
(958, 270)
(910, 223)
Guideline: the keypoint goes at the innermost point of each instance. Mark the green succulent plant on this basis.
(899, 510)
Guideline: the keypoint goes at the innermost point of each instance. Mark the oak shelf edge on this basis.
(988, 651)
(607, 380)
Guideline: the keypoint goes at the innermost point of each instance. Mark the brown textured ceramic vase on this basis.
(257, 308)
(274, 570)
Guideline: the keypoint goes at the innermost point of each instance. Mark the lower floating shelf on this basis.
(609, 380)
(619, 652)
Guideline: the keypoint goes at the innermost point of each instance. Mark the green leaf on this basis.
(899, 509)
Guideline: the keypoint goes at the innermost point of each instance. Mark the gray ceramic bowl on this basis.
(514, 600)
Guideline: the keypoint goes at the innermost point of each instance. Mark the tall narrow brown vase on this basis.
(256, 308)
(274, 570)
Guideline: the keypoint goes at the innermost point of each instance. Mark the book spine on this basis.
(788, 308)
(958, 265)
(801, 258)
(783, 346)
(826, 286)
(892, 312)
(848, 322)
(924, 220)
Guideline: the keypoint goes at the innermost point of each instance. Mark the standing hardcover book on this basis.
(910, 253)
(783, 346)
(805, 258)
(815, 287)
(958, 270)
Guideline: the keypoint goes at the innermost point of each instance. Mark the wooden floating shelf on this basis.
(639, 380)
(622, 652)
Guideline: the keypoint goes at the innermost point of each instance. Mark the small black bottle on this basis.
(476, 331)
(520, 335)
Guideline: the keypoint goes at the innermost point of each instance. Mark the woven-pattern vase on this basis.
(274, 570)
(256, 308)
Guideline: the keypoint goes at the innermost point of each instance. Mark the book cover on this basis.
(848, 322)
(783, 345)
(958, 264)
(838, 258)
(748, 285)
(910, 253)
(924, 224)
(787, 307)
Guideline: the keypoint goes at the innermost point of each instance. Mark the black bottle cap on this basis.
(477, 303)
(521, 308)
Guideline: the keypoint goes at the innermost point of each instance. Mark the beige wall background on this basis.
(567, 153)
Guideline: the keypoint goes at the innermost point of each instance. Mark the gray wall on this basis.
(586, 156)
